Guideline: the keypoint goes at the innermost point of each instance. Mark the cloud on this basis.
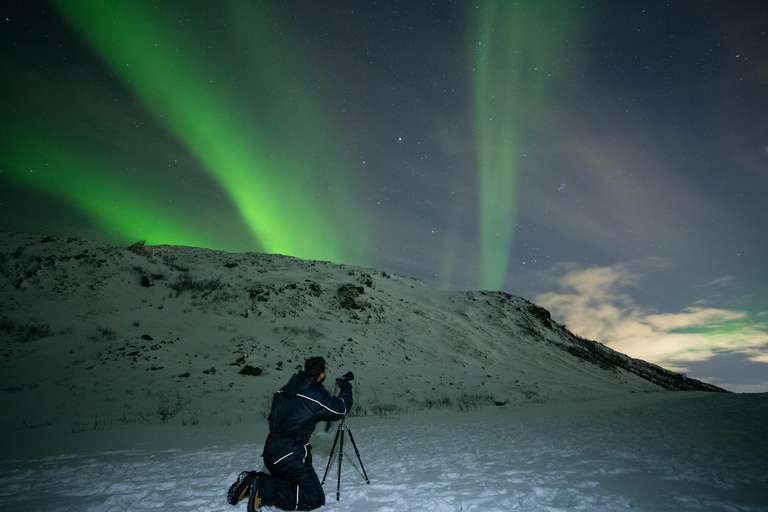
(597, 303)
(721, 282)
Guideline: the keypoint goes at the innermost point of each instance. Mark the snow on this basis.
(121, 396)
(659, 451)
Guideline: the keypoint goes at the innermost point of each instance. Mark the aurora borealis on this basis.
(262, 166)
(605, 161)
(513, 41)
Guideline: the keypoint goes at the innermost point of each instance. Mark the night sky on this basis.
(606, 160)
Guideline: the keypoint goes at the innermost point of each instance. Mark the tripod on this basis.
(340, 431)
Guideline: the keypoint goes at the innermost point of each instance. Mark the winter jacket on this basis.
(296, 410)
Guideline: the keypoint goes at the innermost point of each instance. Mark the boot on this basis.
(241, 487)
(254, 502)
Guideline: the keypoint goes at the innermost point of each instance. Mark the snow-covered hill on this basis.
(95, 335)
(139, 377)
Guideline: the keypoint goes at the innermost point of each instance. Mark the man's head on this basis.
(315, 366)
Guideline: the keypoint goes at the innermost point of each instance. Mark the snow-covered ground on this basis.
(121, 389)
(656, 451)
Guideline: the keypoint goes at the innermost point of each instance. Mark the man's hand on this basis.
(344, 380)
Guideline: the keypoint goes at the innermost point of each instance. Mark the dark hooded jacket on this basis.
(296, 409)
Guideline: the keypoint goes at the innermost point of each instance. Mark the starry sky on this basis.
(606, 160)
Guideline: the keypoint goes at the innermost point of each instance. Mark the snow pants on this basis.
(292, 485)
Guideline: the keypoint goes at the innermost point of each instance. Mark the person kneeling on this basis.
(297, 408)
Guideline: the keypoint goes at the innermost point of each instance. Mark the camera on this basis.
(345, 378)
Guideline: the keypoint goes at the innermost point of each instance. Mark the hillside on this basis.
(96, 335)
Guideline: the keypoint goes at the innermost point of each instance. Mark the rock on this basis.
(348, 294)
(366, 280)
(250, 370)
(210, 371)
(185, 375)
(315, 289)
(147, 281)
(147, 337)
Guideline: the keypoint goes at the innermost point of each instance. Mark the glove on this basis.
(344, 380)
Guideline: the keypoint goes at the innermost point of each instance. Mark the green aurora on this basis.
(247, 111)
(518, 48)
(101, 191)
(262, 132)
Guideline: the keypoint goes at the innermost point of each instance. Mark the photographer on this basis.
(296, 409)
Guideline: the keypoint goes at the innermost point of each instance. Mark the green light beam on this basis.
(516, 45)
(242, 110)
(98, 188)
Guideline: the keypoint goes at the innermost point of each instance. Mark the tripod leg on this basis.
(330, 459)
(341, 450)
(358, 456)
